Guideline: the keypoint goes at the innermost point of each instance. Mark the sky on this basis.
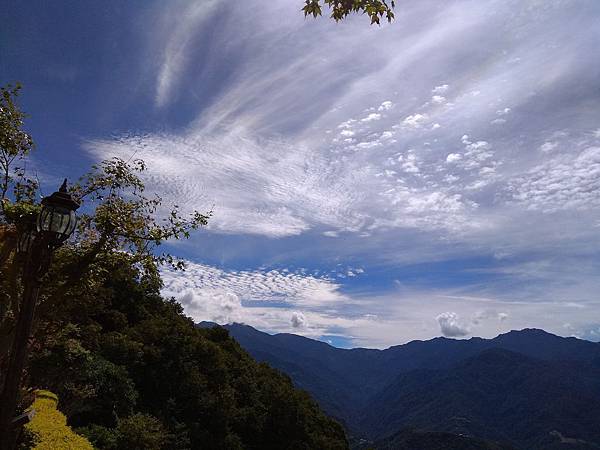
(437, 176)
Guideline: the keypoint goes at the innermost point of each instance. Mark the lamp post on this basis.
(55, 223)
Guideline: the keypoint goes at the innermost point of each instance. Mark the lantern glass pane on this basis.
(43, 223)
(72, 223)
(57, 220)
(58, 224)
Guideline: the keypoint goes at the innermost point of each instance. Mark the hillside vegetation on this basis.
(526, 389)
(133, 372)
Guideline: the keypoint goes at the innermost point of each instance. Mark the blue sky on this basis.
(370, 185)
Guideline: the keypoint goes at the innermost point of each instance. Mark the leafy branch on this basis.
(340, 9)
(15, 144)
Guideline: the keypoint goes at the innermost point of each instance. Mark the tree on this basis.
(15, 143)
(340, 9)
(141, 432)
(119, 223)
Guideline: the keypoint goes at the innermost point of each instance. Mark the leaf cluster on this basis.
(340, 9)
(15, 145)
(119, 217)
(119, 226)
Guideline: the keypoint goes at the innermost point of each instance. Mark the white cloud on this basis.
(562, 183)
(268, 187)
(298, 320)
(227, 289)
(385, 106)
(371, 117)
(415, 120)
(476, 153)
(440, 89)
(179, 45)
(451, 178)
(481, 316)
(347, 124)
(267, 299)
(450, 325)
(368, 144)
(547, 147)
(409, 162)
(453, 157)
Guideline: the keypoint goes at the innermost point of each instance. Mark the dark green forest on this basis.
(132, 371)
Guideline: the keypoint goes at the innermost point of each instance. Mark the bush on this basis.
(48, 430)
(100, 437)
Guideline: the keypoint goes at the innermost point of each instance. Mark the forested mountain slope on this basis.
(526, 388)
(132, 371)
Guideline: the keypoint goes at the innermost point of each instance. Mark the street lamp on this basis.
(57, 218)
(55, 223)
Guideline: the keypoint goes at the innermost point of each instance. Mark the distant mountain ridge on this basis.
(525, 388)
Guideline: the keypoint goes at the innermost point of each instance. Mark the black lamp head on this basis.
(57, 218)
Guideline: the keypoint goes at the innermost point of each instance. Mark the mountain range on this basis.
(526, 389)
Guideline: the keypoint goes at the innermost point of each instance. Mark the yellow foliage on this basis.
(49, 426)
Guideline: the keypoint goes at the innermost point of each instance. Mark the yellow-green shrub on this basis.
(48, 430)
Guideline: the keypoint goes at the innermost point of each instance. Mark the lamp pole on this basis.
(56, 221)
(18, 353)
